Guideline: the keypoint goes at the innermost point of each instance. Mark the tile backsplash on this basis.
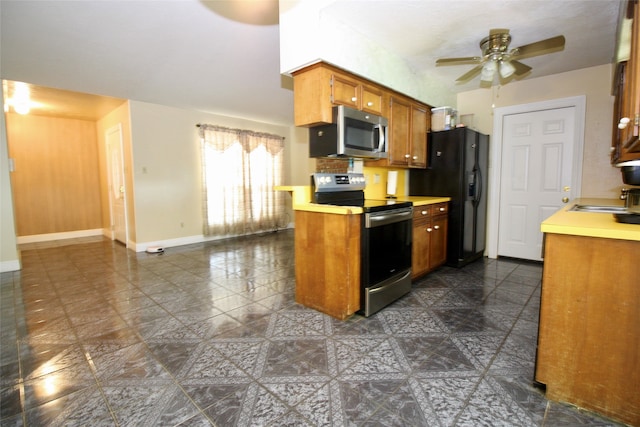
(332, 165)
(376, 176)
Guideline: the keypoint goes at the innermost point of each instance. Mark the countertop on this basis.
(301, 194)
(590, 224)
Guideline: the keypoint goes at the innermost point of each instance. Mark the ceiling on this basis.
(222, 57)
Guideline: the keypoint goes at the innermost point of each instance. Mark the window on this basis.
(240, 170)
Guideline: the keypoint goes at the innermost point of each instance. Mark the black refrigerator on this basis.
(457, 167)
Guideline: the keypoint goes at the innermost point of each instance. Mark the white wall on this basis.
(299, 165)
(599, 178)
(167, 171)
(309, 32)
(9, 255)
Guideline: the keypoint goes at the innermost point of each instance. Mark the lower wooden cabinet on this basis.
(430, 224)
(589, 331)
(327, 250)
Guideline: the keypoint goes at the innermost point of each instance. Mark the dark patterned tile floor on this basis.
(210, 334)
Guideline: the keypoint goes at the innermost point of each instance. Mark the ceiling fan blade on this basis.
(457, 61)
(470, 74)
(554, 44)
(520, 67)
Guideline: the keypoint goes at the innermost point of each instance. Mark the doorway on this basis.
(532, 171)
(117, 189)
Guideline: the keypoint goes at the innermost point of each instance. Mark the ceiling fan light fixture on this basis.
(498, 58)
(506, 69)
(488, 71)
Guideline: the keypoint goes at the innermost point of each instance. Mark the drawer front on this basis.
(440, 209)
(422, 213)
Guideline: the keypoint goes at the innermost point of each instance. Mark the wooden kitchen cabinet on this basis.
(354, 94)
(320, 87)
(327, 250)
(626, 143)
(589, 331)
(408, 123)
(430, 226)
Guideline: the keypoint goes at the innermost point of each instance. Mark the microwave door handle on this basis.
(381, 141)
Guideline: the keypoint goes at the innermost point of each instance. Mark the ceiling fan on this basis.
(496, 56)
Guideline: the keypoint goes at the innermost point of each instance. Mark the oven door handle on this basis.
(394, 282)
(380, 219)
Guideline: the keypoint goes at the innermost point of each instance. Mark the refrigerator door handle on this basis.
(479, 185)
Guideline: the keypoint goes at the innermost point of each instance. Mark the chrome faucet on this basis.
(624, 195)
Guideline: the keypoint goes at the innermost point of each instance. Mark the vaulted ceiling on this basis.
(223, 56)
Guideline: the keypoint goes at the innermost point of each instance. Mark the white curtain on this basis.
(240, 169)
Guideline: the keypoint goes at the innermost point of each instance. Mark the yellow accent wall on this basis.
(377, 182)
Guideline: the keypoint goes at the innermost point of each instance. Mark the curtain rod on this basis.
(271, 135)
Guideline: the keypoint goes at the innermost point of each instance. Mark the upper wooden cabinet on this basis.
(626, 144)
(408, 123)
(320, 87)
(350, 92)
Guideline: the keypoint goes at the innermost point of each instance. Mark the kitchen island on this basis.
(327, 249)
(589, 332)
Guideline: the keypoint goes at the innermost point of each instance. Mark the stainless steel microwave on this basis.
(353, 133)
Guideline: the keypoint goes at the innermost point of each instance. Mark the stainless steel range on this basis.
(386, 238)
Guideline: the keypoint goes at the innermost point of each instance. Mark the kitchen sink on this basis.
(599, 209)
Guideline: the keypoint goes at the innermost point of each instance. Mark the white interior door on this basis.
(536, 179)
(117, 189)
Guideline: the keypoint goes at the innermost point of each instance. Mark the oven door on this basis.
(386, 258)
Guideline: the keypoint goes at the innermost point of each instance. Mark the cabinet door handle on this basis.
(436, 227)
(415, 157)
(424, 212)
(406, 156)
(623, 122)
(442, 209)
(354, 99)
(369, 104)
(429, 229)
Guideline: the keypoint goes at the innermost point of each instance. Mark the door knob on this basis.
(565, 200)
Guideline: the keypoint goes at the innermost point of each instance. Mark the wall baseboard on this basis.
(137, 247)
(141, 247)
(35, 238)
(7, 266)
